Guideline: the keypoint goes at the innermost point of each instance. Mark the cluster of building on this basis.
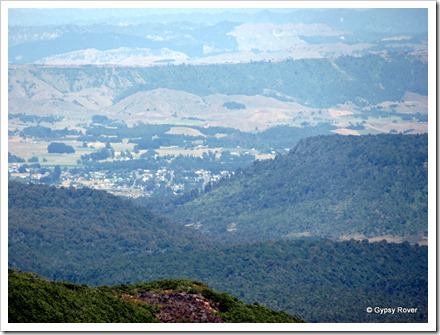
(131, 183)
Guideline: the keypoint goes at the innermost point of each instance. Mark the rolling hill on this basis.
(299, 84)
(330, 186)
(317, 280)
(171, 110)
(52, 229)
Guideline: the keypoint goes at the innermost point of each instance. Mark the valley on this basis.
(320, 188)
(90, 237)
(218, 166)
(133, 118)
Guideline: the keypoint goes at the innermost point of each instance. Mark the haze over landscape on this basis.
(277, 155)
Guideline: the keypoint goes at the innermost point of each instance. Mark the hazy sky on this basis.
(47, 16)
(415, 18)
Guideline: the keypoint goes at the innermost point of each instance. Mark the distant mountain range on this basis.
(228, 36)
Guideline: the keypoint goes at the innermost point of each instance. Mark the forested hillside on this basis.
(37, 300)
(53, 229)
(316, 280)
(330, 186)
(160, 156)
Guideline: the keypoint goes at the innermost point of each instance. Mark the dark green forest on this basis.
(328, 186)
(65, 227)
(33, 299)
(318, 280)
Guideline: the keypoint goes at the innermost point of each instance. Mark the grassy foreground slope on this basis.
(33, 299)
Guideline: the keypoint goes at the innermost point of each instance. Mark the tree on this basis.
(234, 105)
(14, 159)
(59, 148)
(102, 119)
(56, 173)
